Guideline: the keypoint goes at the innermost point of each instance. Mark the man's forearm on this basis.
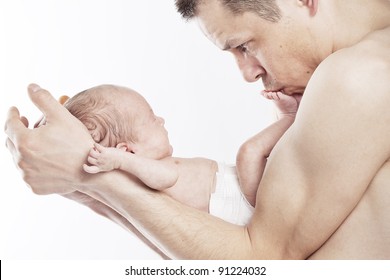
(107, 212)
(182, 232)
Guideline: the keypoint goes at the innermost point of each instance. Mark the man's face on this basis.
(281, 53)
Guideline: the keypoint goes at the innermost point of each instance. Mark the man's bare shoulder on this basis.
(360, 70)
(373, 50)
(347, 99)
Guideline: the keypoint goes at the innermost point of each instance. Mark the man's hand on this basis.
(50, 156)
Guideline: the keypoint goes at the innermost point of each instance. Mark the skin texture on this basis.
(139, 145)
(324, 193)
(252, 155)
(152, 162)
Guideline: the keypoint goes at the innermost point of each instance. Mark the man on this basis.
(325, 191)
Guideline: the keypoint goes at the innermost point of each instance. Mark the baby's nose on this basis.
(162, 121)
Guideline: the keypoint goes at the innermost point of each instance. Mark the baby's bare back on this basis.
(196, 182)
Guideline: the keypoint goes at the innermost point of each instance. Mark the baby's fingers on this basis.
(91, 169)
(93, 153)
(92, 160)
(99, 147)
(272, 95)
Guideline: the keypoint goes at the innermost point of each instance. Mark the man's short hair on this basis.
(266, 9)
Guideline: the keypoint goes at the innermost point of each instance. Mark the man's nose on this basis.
(250, 68)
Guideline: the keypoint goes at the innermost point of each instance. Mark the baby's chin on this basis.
(170, 150)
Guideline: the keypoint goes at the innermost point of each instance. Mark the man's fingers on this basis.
(24, 120)
(42, 120)
(63, 99)
(10, 146)
(38, 123)
(45, 102)
(13, 125)
(13, 113)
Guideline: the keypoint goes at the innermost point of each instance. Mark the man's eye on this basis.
(243, 48)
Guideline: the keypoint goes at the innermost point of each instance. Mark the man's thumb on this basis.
(44, 101)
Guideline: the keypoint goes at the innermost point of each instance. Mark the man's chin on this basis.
(293, 91)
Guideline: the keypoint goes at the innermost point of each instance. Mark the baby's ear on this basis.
(124, 146)
(63, 99)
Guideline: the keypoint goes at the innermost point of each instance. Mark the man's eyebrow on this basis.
(229, 43)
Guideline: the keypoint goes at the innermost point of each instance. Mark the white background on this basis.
(68, 46)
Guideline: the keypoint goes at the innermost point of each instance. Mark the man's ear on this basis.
(311, 4)
(127, 147)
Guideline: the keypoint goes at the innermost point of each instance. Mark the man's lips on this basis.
(286, 91)
(272, 90)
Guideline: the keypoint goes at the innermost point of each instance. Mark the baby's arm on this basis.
(252, 155)
(156, 174)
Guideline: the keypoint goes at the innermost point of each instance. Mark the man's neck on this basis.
(355, 19)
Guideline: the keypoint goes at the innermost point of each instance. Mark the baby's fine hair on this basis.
(97, 110)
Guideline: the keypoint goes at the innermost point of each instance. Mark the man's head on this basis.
(266, 9)
(120, 117)
(273, 40)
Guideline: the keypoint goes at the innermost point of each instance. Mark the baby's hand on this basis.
(286, 104)
(102, 159)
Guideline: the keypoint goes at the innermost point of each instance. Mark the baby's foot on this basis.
(286, 104)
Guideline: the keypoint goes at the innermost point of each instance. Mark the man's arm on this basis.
(105, 211)
(50, 160)
(51, 156)
(156, 174)
(315, 177)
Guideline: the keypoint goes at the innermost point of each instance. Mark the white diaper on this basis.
(228, 202)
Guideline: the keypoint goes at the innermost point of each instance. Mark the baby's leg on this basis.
(285, 104)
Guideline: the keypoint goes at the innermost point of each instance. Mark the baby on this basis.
(130, 137)
(252, 155)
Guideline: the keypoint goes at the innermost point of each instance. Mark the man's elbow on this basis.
(273, 248)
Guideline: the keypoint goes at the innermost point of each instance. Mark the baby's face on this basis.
(148, 130)
(152, 137)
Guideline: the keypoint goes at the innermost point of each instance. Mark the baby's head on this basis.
(120, 117)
